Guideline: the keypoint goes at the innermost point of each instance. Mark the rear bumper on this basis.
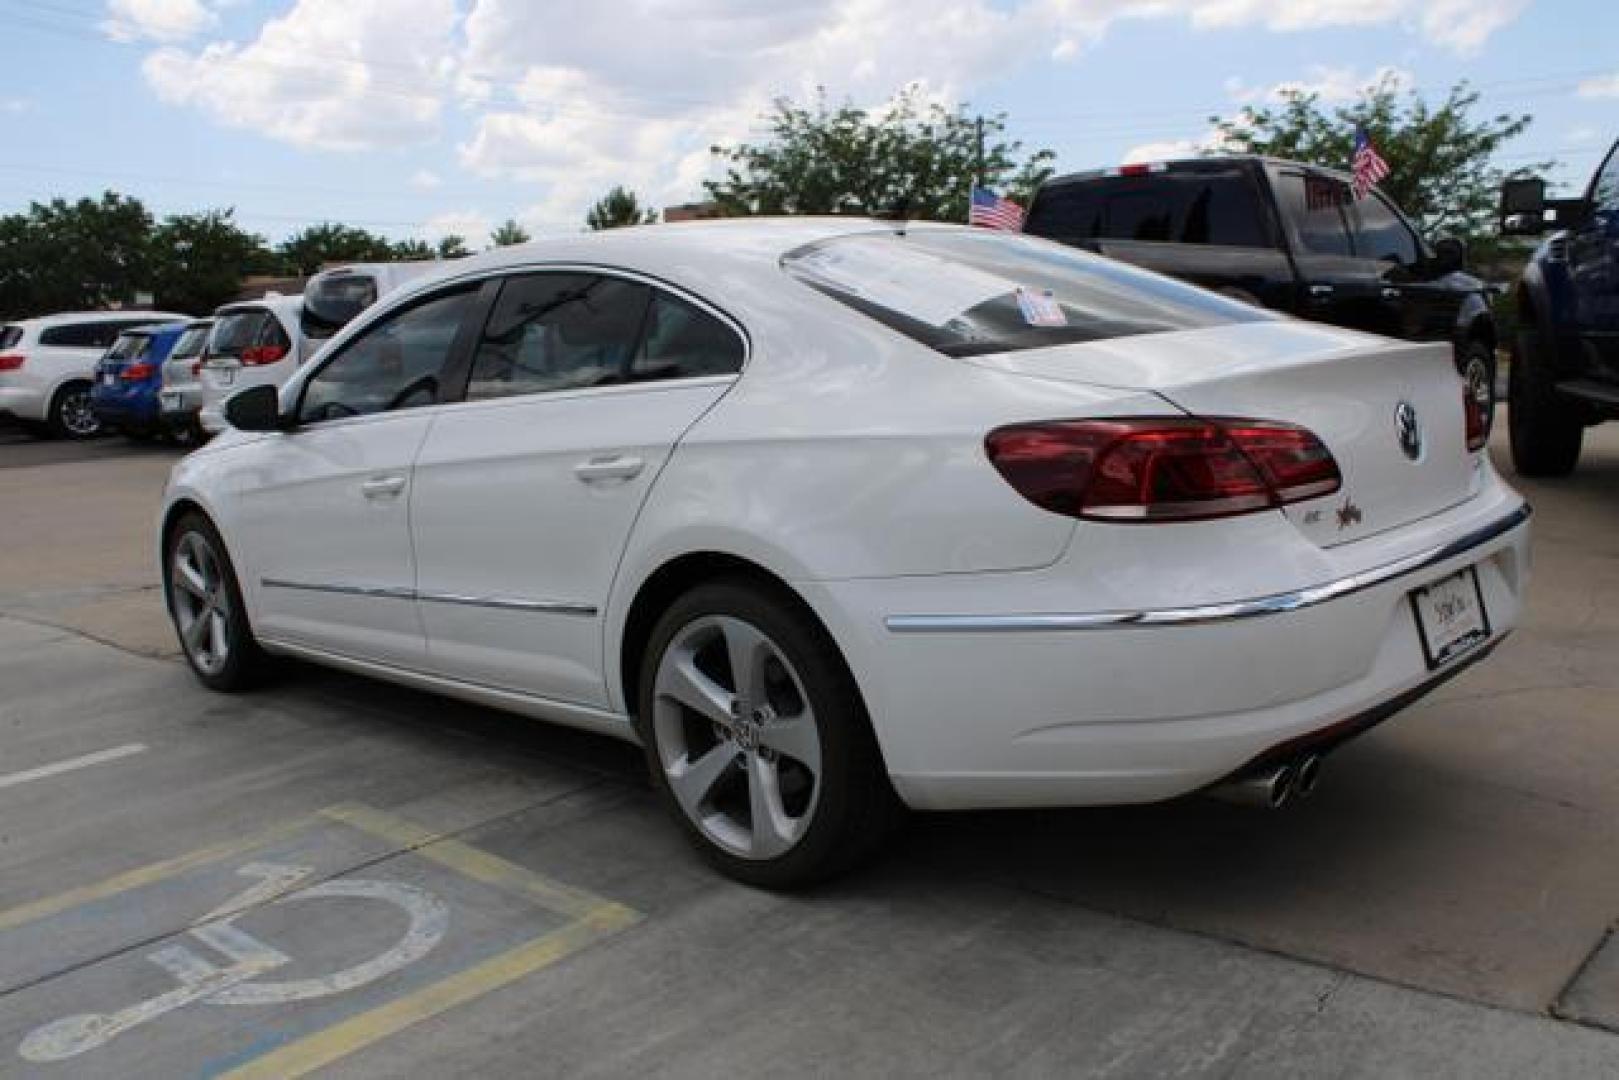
(132, 409)
(1073, 708)
(22, 402)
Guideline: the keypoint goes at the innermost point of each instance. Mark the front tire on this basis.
(1546, 430)
(71, 414)
(757, 739)
(205, 603)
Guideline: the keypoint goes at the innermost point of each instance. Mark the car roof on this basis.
(686, 253)
(154, 329)
(1209, 159)
(62, 317)
(285, 307)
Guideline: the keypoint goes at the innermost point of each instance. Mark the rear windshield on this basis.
(9, 336)
(235, 332)
(1185, 205)
(129, 347)
(190, 343)
(970, 292)
(330, 302)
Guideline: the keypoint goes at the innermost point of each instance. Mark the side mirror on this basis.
(1523, 207)
(258, 408)
(1449, 254)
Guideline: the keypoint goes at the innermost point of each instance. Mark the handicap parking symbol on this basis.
(238, 982)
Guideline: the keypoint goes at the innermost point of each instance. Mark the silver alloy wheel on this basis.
(737, 737)
(1482, 388)
(79, 414)
(201, 602)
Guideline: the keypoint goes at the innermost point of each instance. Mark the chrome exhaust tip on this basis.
(1308, 776)
(1268, 790)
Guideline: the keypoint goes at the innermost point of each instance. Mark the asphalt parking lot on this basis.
(336, 874)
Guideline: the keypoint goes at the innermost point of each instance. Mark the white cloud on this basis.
(157, 20)
(333, 74)
(16, 105)
(469, 225)
(1332, 85)
(637, 91)
(425, 180)
(1602, 86)
(1173, 149)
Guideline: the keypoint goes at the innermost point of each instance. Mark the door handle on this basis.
(382, 487)
(620, 467)
(1391, 293)
(1320, 292)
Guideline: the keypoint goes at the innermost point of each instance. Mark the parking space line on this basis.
(326, 1046)
(82, 762)
(146, 875)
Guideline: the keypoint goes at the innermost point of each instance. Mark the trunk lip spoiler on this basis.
(1258, 607)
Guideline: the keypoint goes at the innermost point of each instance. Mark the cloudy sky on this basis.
(421, 117)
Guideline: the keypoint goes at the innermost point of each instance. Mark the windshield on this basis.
(128, 347)
(235, 332)
(190, 344)
(964, 292)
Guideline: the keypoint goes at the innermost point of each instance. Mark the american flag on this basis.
(1368, 164)
(993, 212)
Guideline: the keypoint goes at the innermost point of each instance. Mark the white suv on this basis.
(47, 367)
(253, 342)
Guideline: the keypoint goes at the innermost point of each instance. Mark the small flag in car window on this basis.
(990, 211)
(1368, 165)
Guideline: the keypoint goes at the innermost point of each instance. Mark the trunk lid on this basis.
(1354, 391)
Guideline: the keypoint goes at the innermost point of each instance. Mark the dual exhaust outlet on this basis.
(1275, 786)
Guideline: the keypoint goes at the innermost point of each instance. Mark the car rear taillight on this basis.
(136, 372)
(1143, 469)
(12, 361)
(1478, 423)
(256, 355)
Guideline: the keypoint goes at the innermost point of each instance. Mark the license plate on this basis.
(225, 376)
(168, 401)
(1451, 620)
(108, 378)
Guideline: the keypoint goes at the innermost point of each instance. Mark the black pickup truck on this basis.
(1284, 235)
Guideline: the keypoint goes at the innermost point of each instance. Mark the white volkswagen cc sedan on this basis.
(839, 516)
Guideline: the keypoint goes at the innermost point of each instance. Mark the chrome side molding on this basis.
(502, 603)
(1210, 613)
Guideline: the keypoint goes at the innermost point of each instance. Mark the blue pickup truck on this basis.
(1565, 366)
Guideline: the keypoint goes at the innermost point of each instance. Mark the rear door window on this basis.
(1193, 205)
(684, 341)
(558, 331)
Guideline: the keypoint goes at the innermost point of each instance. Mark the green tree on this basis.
(910, 159)
(1441, 170)
(452, 247)
(509, 233)
(308, 251)
(618, 208)
(410, 250)
(63, 255)
(198, 260)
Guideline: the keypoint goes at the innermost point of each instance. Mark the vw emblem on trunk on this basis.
(1408, 430)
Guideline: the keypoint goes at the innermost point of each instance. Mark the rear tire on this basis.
(71, 415)
(205, 604)
(775, 776)
(1546, 430)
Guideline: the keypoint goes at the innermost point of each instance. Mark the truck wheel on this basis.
(71, 415)
(1546, 430)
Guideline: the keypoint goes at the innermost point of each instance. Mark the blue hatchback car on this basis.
(128, 377)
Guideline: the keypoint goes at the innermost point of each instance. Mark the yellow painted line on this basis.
(469, 861)
(147, 875)
(338, 1041)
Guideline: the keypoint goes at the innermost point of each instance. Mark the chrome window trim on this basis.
(1211, 613)
(502, 603)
